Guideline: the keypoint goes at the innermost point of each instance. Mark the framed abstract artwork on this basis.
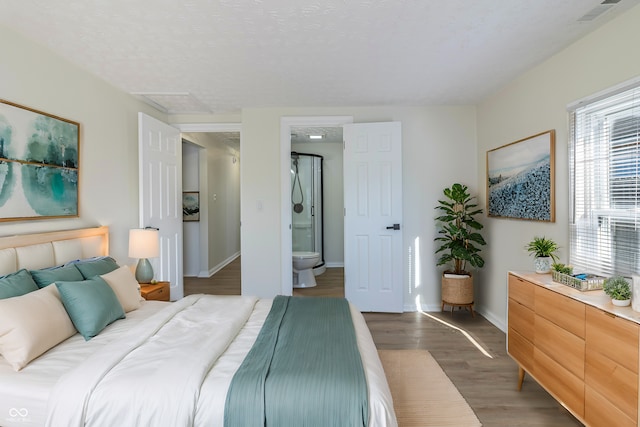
(191, 206)
(520, 179)
(39, 164)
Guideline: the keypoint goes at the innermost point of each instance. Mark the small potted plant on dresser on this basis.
(544, 253)
(618, 289)
(460, 245)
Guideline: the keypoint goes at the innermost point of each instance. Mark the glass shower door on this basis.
(303, 230)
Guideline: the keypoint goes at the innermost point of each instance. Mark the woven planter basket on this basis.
(457, 290)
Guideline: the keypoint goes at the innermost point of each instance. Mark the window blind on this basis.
(604, 171)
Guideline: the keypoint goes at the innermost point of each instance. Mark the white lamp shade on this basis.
(144, 243)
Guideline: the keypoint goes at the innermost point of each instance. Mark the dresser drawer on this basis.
(521, 350)
(562, 384)
(614, 337)
(600, 412)
(563, 311)
(562, 346)
(617, 384)
(521, 319)
(521, 291)
(611, 370)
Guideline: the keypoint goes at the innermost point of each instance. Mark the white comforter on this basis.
(161, 373)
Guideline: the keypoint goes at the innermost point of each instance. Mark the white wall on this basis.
(331, 153)
(433, 138)
(32, 76)
(534, 103)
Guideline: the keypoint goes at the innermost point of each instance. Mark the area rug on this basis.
(423, 395)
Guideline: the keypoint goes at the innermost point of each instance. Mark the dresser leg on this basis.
(520, 377)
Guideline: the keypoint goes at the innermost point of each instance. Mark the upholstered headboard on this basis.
(41, 250)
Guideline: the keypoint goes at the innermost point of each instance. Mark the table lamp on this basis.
(144, 243)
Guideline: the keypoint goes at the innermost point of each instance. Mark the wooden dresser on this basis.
(581, 348)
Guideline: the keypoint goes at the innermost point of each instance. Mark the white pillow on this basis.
(125, 286)
(31, 324)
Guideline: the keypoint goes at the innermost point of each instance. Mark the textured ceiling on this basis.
(220, 56)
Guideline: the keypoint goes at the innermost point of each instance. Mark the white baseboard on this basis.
(410, 308)
(491, 317)
(220, 266)
(334, 264)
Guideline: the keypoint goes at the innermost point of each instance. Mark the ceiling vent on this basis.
(598, 10)
(173, 103)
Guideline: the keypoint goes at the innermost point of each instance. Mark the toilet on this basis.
(303, 263)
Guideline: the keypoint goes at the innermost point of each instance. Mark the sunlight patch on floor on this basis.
(462, 331)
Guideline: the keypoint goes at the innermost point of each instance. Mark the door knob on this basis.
(394, 227)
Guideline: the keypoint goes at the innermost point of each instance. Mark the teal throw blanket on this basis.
(303, 370)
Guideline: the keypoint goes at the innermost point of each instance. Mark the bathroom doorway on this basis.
(320, 168)
(300, 128)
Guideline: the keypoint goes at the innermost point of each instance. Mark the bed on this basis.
(141, 368)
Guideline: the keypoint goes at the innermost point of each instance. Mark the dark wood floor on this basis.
(470, 350)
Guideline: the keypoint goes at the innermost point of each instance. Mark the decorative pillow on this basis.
(16, 284)
(96, 267)
(47, 276)
(31, 324)
(91, 304)
(125, 286)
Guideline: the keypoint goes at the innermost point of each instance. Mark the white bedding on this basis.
(24, 395)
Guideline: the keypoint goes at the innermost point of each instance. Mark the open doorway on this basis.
(320, 147)
(300, 128)
(211, 174)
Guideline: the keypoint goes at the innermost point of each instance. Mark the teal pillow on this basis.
(47, 276)
(91, 305)
(96, 267)
(16, 284)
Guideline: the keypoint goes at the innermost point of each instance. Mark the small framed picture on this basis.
(191, 206)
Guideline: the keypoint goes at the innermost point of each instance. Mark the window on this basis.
(604, 174)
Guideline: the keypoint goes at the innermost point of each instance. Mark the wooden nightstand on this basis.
(155, 291)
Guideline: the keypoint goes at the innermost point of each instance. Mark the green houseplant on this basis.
(460, 244)
(458, 234)
(544, 252)
(618, 289)
(562, 268)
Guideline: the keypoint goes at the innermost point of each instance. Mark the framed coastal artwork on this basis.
(520, 179)
(191, 206)
(39, 164)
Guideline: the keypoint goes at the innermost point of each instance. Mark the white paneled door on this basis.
(160, 155)
(373, 216)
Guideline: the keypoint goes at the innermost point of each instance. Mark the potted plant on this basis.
(460, 244)
(562, 268)
(544, 253)
(618, 289)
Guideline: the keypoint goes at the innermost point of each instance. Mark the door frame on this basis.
(286, 123)
(209, 128)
